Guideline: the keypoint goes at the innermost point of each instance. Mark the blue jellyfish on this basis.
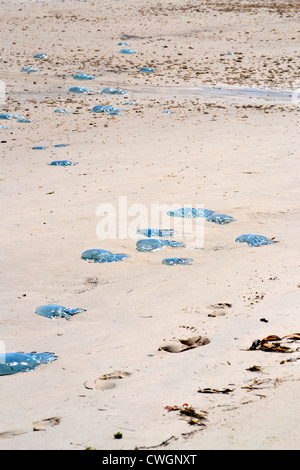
(154, 232)
(153, 244)
(220, 219)
(190, 213)
(83, 76)
(174, 261)
(113, 91)
(40, 55)
(54, 311)
(62, 163)
(29, 69)
(79, 89)
(11, 363)
(102, 256)
(254, 240)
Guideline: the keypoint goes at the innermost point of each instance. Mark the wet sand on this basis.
(230, 144)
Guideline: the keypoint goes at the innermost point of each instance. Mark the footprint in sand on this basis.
(178, 345)
(36, 426)
(106, 381)
(46, 423)
(218, 310)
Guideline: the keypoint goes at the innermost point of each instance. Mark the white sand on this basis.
(234, 154)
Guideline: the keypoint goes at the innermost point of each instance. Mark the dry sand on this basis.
(235, 154)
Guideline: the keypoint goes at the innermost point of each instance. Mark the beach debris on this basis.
(174, 261)
(193, 415)
(40, 55)
(12, 363)
(102, 256)
(191, 213)
(153, 244)
(61, 111)
(147, 69)
(113, 91)
(274, 343)
(154, 232)
(220, 219)
(164, 443)
(79, 89)
(118, 435)
(29, 69)
(106, 109)
(83, 76)
(128, 51)
(107, 381)
(180, 345)
(53, 311)
(190, 412)
(62, 163)
(215, 390)
(254, 368)
(255, 240)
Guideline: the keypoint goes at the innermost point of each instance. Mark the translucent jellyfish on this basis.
(106, 109)
(154, 232)
(254, 240)
(62, 163)
(153, 244)
(190, 213)
(25, 120)
(60, 145)
(174, 261)
(11, 363)
(54, 311)
(83, 76)
(61, 111)
(221, 219)
(102, 256)
(4, 127)
(8, 116)
(123, 44)
(39, 147)
(115, 113)
(167, 111)
(147, 69)
(113, 91)
(29, 69)
(130, 102)
(127, 51)
(79, 89)
(40, 56)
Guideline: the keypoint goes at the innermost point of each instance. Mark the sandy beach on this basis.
(216, 124)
